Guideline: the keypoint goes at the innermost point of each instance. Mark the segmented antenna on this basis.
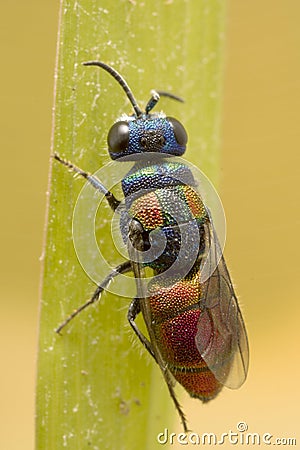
(121, 82)
(155, 94)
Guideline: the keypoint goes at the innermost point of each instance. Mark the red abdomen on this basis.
(175, 315)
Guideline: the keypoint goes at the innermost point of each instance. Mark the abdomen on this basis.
(175, 314)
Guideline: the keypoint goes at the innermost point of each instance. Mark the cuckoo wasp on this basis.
(196, 332)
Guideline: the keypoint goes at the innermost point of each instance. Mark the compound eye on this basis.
(179, 131)
(118, 137)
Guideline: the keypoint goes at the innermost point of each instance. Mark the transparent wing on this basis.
(221, 337)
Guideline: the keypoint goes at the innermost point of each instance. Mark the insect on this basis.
(196, 333)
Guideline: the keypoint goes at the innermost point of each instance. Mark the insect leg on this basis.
(133, 310)
(136, 238)
(122, 268)
(111, 199)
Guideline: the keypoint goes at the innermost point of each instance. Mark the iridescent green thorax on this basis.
(161, 195)
(169, 206)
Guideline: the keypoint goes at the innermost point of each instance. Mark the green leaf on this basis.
(97, 388)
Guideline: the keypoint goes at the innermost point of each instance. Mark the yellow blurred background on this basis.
(259, 188)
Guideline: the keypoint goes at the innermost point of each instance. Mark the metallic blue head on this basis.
(142, 132)
(153, 133)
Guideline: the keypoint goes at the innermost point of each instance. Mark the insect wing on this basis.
(221, 337)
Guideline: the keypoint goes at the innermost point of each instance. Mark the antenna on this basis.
(121, 82)
(155, 96)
